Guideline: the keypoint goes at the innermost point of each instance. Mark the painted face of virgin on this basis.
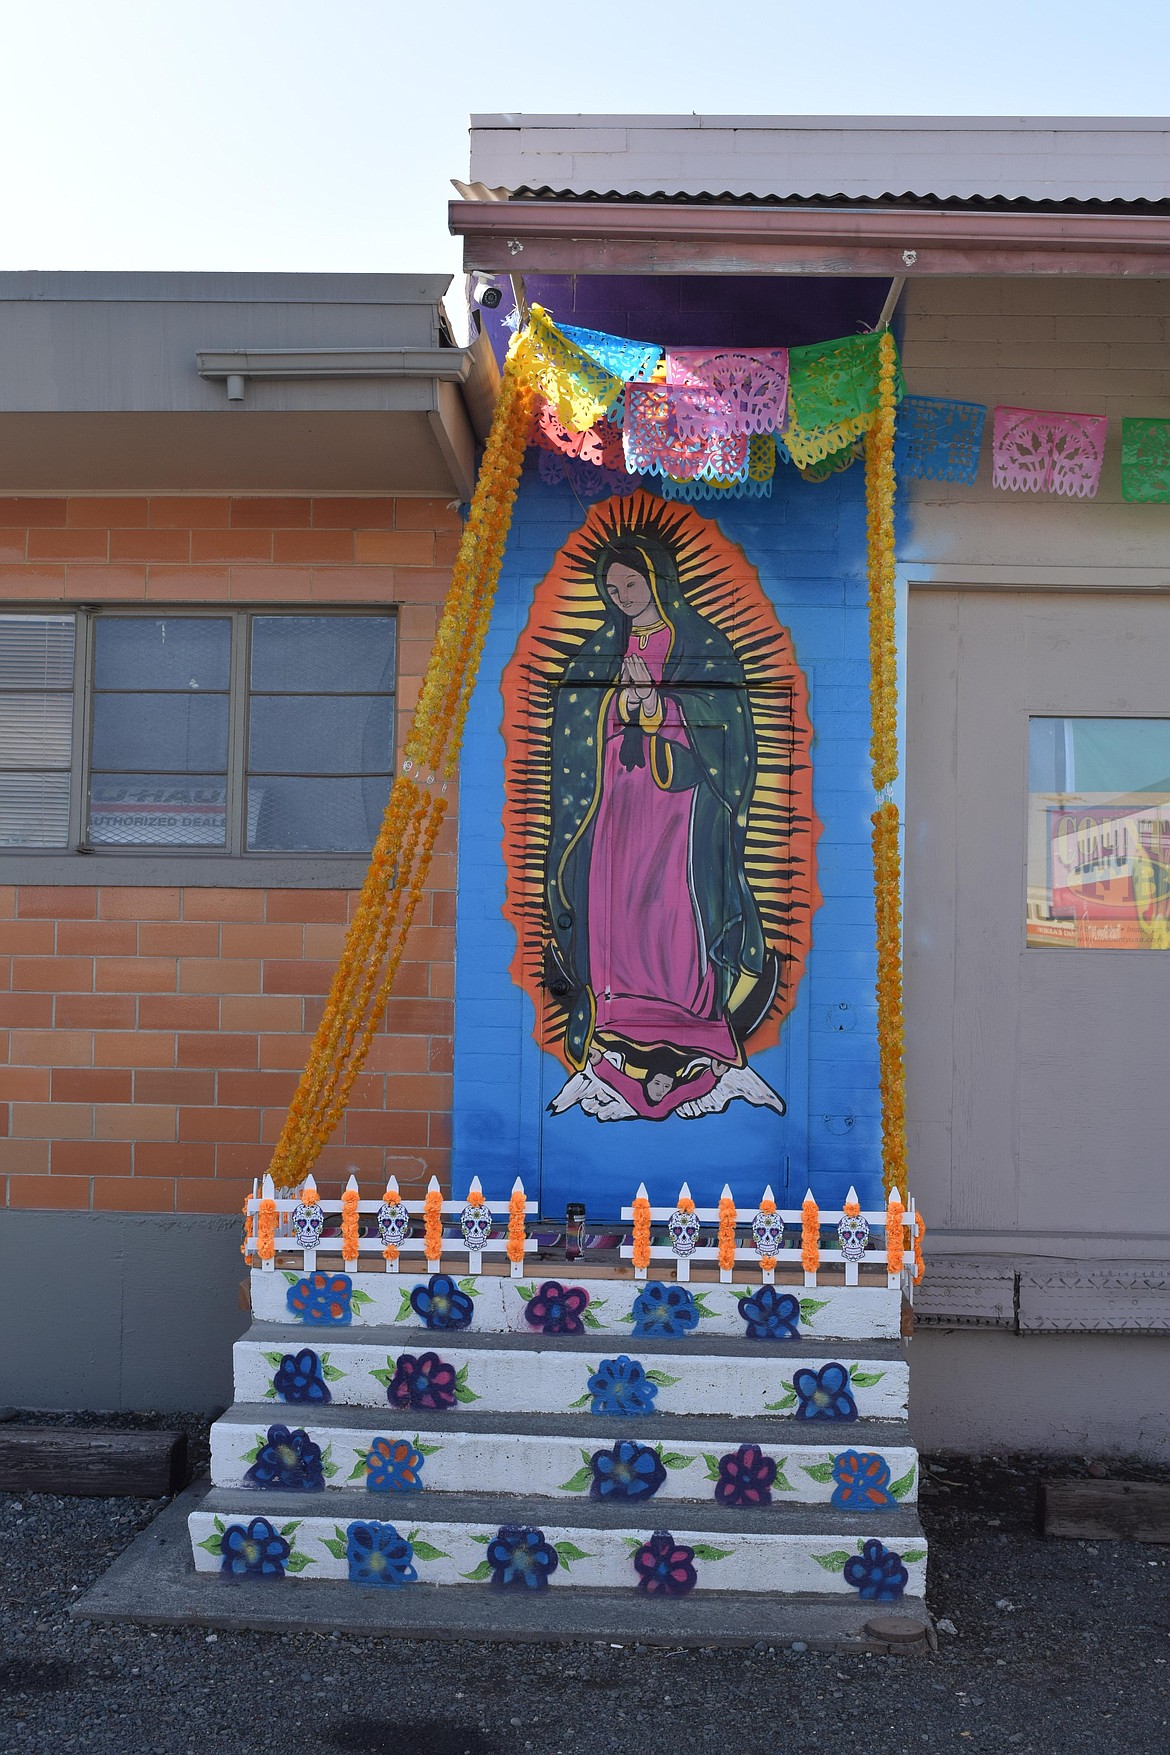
(629, 590)
(659, 1087)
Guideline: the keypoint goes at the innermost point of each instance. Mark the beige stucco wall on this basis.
(1035, 1078)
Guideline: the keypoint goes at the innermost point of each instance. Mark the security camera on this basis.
(485, 292)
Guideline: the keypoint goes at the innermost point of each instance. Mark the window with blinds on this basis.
(232, 732)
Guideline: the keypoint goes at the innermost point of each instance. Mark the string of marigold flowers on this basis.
(402, 854)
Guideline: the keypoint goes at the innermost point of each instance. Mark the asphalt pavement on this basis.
(1043, 1647)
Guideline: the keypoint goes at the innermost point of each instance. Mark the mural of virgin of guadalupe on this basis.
(653, 776)
(660, 844)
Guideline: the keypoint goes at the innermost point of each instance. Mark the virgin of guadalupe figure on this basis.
(656, 939)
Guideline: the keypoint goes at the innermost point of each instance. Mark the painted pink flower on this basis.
(745, 1477)
(557, 1310)
(425, 1381)
(665, 1568)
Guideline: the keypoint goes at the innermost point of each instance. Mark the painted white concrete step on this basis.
(533, 1374)
(498, 1542)
(566, 1456)
(554, 1299)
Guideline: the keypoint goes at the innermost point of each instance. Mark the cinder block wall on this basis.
(150, 1039)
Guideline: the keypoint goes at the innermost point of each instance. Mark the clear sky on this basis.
(321, 134)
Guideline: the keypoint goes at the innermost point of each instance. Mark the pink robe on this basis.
(648, 964)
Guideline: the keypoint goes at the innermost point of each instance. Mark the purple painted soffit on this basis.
(698, 310)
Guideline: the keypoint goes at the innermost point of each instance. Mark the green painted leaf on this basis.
(628, 1318)
(211, 1544)
(865, 1379)
(462, 1393)
(902, 1486)
(913, 1554)
(577, 1483)
(592, 1321)
(270, 1394)
(712, 1463)
(274, 1359)
(482, 1540)
(331, 1372)
(298, 1562)
(359, 1467)
(426, 1449)
(703, 1552)
(427, 1551)
(359, 1299)
(632, 1542)
(470, 1286)
(219, 1525)
(662, 1380)
(291, 1278)
(818, 1471)
(598, 1303)
(674, 1459)
(700, 1299)
(290, 1529)
(385, 1373)
(336, 1543)
(328, 1466)
(782, 1484)
(567, 1551)
(405, 1309)
(809, 1308)
(251, 1455)
(833, 1562)
(788, 1400)
(582, 1401)
(483, 1570)
(527, 1290)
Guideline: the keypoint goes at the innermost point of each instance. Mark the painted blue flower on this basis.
(863, 1482)
(254, 1550)
(621, 1386)
(393, 1465)
(322, 1300)
(557, 1310)
(824, 1394)
(664, 1310)
(299, 1378)
(877, 1573)
(289, 1460)
(521, 1559)
(628, 1471)
(771, 1315)
(441, 1304)
(377, 1554)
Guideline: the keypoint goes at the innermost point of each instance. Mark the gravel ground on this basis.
(1043, 1647)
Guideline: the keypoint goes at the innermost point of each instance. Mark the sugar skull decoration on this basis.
(308, 1221)
(683, 1224)
(393, 1220)
(852, 1229)
(768, 1227)
(475, 1221)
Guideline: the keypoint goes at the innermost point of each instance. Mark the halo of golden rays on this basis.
(782, 830)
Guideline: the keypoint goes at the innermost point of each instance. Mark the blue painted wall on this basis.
(808, 544)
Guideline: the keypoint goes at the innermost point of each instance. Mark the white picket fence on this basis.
(297, 1233)
(685, 1223)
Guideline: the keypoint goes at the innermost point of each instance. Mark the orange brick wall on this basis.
(150, 1039)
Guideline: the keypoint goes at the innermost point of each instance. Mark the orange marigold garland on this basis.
(516, 1230)
(266, 1237)
(641, 1212)
(895, 1240)
(919, 1234)
(402, 854)
(350, 1236)
(810, 1235)
(433, 1223)
(249, 1232)
(879, 494)
(768, 1263)
(727, 1217)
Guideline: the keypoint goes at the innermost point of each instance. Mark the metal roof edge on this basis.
(856, 124)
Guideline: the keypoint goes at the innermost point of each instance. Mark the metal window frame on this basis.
(44, 613)
(233, 865)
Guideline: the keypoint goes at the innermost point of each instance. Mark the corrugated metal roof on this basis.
(851, 158)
